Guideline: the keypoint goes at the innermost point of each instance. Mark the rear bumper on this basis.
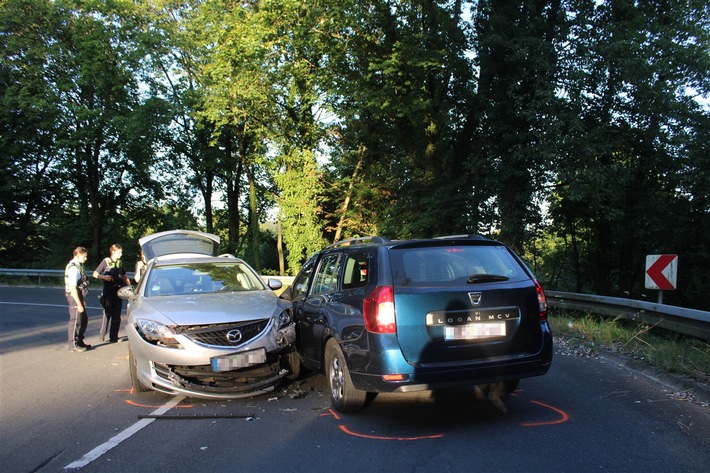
(431, 379)
(431, 376)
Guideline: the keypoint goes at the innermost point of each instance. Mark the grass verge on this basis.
(666, 351)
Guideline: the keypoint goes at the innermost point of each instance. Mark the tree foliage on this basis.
(79, 133)
(575, 131)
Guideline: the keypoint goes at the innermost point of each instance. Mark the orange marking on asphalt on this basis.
(377, 437)
(344, 428)
(135, 404)
(563, 416)
(331, 412)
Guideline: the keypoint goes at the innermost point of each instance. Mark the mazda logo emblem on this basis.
(234, 336)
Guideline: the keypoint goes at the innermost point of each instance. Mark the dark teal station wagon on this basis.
(397, 316)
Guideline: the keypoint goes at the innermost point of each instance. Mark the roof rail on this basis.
(359, 241)
(470, 236)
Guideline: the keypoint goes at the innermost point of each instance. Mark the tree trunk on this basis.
(254, 222)
(279, 248)
(348, 195)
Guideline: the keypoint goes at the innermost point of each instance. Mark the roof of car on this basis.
(378, 240)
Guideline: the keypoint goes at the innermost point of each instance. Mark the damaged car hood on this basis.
(214, 308)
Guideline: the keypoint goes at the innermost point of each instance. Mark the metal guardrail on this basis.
(59, 274)
(36, 273)
(677, 319)
(43, 273)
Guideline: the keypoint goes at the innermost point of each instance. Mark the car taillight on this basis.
(541, 300)
(378, 310)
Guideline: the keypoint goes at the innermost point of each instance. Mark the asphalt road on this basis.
(62, 411)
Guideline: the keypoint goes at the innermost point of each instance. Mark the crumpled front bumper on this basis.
(188, 370)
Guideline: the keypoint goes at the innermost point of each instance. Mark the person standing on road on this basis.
(140, 267)
(76, 289)
(113, 274)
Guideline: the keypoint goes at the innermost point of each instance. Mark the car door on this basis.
(296, 294)
(311, 311)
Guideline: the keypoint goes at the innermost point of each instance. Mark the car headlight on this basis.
(157, 333)
(285, 319)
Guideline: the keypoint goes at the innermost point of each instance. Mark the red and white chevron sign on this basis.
(661, 272)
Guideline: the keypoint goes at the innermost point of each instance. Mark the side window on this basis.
(326, 279)
(356, 266)
(300, 284)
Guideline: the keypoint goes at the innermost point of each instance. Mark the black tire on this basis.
(135, 383)
(344, 397)
(293, 365)
(511, 386)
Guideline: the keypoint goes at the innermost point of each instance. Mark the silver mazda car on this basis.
(204, 325)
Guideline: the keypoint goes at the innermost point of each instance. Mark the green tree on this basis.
(30, 129)
(626, 150)
(99, 132)
(403, 85)
(262, 84)
(517, 106)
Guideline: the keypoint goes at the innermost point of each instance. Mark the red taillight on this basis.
(541, 300)
(378, 310)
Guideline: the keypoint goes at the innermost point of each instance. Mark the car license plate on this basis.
(235, 361)
(475, 331)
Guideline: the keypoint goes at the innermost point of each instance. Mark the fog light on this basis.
(395, 377)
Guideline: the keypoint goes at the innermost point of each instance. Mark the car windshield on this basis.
(460, 265)
(202, 278)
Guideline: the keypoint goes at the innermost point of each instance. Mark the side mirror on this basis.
(127, 292)
(274, 284)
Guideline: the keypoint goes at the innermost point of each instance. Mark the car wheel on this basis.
(132, 368)
(293, 365)
(511, 386)
(344, 397)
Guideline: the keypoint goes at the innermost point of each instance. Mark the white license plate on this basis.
(474, 331)
(239, 360)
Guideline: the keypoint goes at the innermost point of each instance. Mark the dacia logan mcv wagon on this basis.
(397, 316)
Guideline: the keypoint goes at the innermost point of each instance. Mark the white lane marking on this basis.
(101, 449)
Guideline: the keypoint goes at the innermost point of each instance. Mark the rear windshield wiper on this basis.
(480, 278)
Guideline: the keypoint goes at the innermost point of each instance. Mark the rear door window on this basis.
(356, 271)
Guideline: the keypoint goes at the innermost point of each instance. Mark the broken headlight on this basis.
(285, 319)
(157, 333)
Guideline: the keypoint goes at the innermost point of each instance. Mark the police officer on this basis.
(76, 289)
(113, 274)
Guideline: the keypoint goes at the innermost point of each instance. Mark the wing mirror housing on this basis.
(128, 293)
